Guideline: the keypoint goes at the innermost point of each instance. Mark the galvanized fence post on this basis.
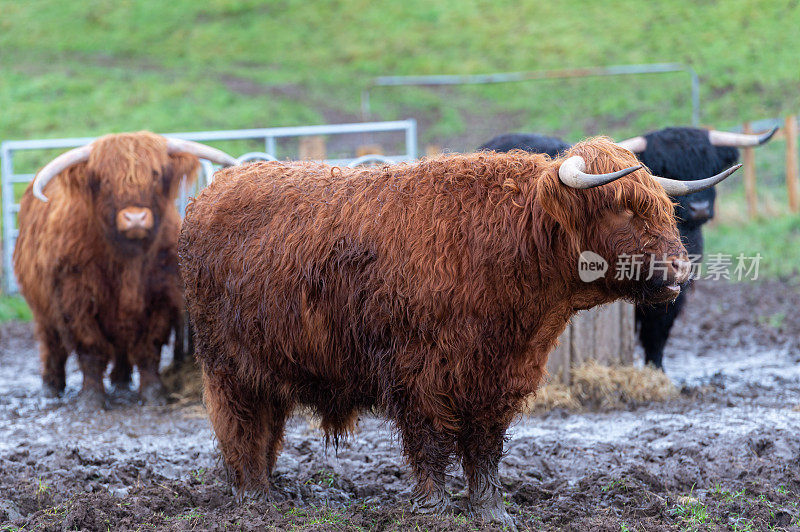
(7, 170)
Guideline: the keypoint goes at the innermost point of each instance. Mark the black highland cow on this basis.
(552, 146)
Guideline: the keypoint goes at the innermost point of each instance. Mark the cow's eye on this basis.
(166, 180)
(93, 182)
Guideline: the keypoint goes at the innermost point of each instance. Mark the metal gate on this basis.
(268, 136)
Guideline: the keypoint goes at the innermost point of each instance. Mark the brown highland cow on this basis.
(96, 258)
(431, 292)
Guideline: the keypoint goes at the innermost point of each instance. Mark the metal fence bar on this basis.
(300, 131)
(695, 96)
(47, 144)
(270, 146)
(267, 135)
(6, 167)
(514, 77)
(411, 140)
(237, 134)
(346, 162)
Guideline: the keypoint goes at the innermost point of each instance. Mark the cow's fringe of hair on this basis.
(129, 157)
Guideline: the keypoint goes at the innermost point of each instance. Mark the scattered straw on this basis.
(595, 386)
(184, 383)
(550, 396)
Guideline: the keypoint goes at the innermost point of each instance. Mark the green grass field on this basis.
(82, 68)
(777, 240)
(98, 66)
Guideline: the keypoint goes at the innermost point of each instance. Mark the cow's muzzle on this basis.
(135, 222)
(668, 286)
(699, 211)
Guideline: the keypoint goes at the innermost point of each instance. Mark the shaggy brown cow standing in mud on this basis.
(96, 258)
(432, 292)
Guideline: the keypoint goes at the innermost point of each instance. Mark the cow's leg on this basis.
(147, 357)
(276, 423)
(54, 359)
(652, 333)
(655, 323)
(429, 452)
(93, 364)
(121, 377)
(481, 448)
(249, 430)
(80, 330)
(179, 348)
(122, 370)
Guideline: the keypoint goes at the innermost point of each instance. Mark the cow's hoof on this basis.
(439, 505)
(90, 401)
(50, 391)
(123, 392)
(153, 395)
(496, 513)
(242, 496)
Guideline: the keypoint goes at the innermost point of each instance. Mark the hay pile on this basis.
(598, 387)
(184, 382)
(594, 387)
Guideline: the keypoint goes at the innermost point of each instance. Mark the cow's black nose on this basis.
(700, 210)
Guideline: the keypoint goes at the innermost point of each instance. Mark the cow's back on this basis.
(322, 274)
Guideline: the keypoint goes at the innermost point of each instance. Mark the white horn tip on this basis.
(38, 195)
(764, 137)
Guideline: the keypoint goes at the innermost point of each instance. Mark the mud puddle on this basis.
(725, 454)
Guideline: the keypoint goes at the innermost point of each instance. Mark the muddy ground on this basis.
(725, 454)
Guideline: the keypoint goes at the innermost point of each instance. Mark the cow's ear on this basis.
(180, 164)
(562, 204)
(79, 180)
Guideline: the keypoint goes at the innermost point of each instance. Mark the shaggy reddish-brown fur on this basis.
(91, 289)
(432, 292)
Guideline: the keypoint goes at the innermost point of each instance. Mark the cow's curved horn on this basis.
(634, 144)
(58, 165)
(739, 140)
(572, 173)
(201, 151)
(674, 187)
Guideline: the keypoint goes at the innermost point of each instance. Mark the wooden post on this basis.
(627, 347)
(604, 334)
(312, 148)
(790, 129)
(749, 159)
(559, 363)
(583, 343)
